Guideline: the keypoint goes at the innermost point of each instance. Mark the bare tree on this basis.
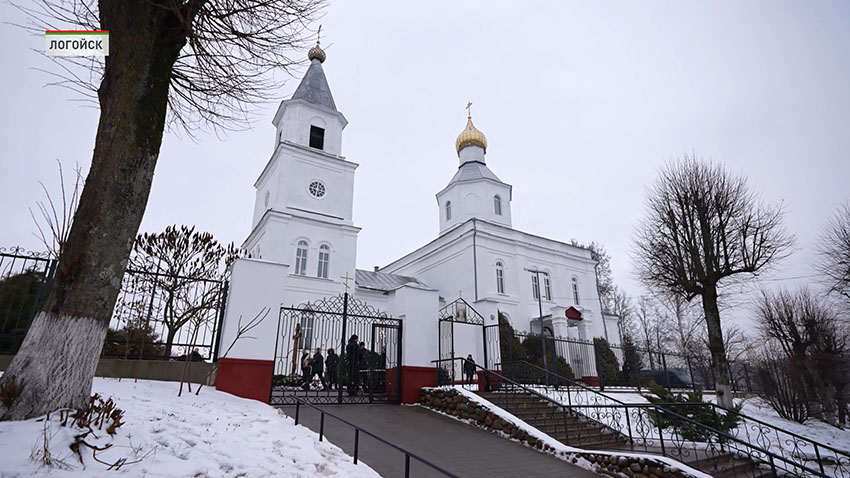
(621, 306)
(703, 228)
(834, 249)
(816, 343)
(683, 319)
(604, 275)
(54, 218)
(184, 268)
(202, 60)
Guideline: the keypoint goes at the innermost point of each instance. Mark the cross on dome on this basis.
(316, 53)
(470, 136)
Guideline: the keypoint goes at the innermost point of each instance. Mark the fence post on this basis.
(322, 426)
(342, 348)
(356, 444)
(660, 430)
(484, 336)
(222, 305)
(598, 368)
(691, 372)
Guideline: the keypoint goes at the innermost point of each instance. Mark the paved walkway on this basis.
(459, 448)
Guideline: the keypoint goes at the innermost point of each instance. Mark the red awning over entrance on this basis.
(573, 313)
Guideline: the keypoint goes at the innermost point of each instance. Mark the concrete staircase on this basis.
(581, 432)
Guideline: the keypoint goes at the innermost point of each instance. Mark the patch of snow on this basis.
(213, 434)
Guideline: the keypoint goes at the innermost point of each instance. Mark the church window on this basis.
(500, 278)
(317, 137)
(575, 291)
(324, 261)
(497, 205)
(307, 320)
(448, 210)
(535, 287)
(317, 189)
(301, 258)
(547, 288)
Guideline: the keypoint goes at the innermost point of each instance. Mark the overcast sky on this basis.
(581, 103)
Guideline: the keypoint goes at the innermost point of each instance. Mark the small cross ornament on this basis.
(346, 278)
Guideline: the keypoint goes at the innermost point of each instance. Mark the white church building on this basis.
(304, 241)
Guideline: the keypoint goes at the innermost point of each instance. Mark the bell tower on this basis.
(474, 191)
(303, 208)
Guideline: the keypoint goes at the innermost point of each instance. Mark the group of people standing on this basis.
(356, 359)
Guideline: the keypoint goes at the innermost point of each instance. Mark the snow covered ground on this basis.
(211, 435)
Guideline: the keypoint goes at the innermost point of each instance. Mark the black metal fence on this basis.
(611, 365)
(156, 316)
(24, 277)
(358, 374)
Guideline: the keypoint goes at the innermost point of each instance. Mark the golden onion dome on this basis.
(316, 53)
(470, 137)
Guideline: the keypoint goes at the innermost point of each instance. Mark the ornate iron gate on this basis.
(370, 373)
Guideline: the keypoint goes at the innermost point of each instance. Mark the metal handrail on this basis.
(815, 444)
(357, 430)
(572, 382)
(658, 409)
(531, 391)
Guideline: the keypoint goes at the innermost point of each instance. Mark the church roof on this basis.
(385, 282)
(314, 87)
(472, 171)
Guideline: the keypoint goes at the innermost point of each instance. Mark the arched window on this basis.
(575, 291)
(500, 277)
(301, 258)
(497, 205)
(307, 321)
(448, 210)
(324, 261)
(535, 286)
(547, 288)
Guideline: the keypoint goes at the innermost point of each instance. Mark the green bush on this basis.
(692, 406)
(607, 365)
(18, 294)
(135, 340)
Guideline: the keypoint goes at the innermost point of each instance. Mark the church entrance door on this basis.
(359, 351)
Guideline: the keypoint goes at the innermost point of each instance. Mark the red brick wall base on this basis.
(246, 378)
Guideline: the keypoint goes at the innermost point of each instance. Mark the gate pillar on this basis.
(417, 307)
(246, 365)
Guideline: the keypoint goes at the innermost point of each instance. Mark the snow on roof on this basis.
(385, 282)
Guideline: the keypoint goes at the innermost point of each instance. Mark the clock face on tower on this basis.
(317, 189)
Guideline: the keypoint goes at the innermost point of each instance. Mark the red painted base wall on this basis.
(413, 379)
(246, 378)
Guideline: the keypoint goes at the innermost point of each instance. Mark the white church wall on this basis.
(474, 199)
(303, 166)
(418, 310)
(254, 284)
(279, 234)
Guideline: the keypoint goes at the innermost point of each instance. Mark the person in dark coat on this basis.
(319, 368)
(306, 370)
(332, 362)
(352, 354)
(469, 368)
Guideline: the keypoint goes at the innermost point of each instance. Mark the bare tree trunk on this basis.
(58, 357)
(717, 347)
